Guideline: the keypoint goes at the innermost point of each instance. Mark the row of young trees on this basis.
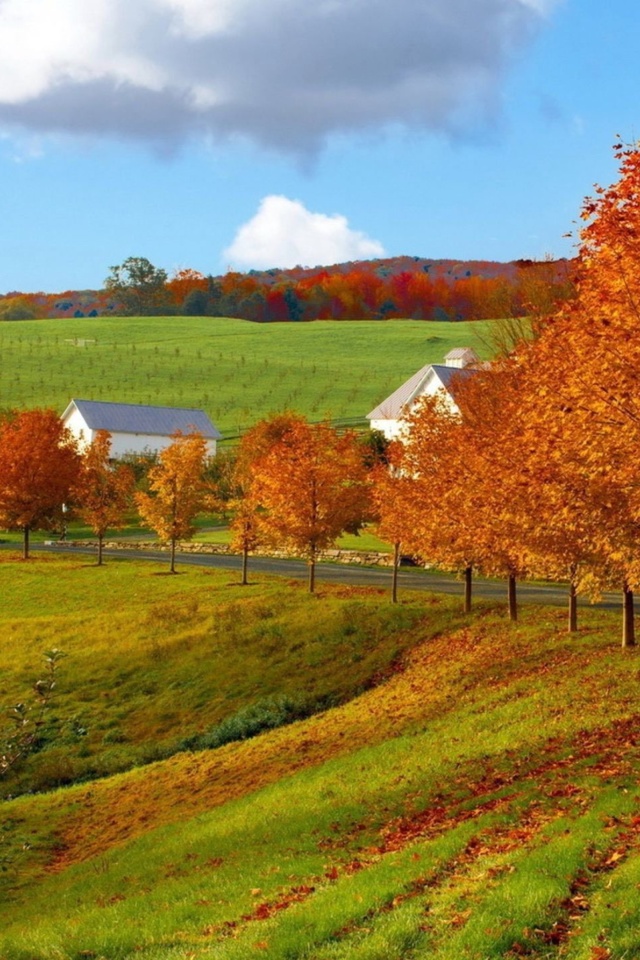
(43, 475)
(291, 484)
(45, 480)
(538, 474)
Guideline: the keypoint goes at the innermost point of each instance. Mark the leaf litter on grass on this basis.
(460, 754)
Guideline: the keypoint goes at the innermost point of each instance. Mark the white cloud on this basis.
(285, 73)
(283, 233)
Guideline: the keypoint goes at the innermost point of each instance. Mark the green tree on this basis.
(139, 288)
(195, 303)
(17, 308)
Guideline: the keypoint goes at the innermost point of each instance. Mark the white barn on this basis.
(432, 379)
(136, 428)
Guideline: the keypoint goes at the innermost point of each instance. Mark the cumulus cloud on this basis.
(283, 233)
(285, 73)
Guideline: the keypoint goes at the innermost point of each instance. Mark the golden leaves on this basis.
(177, 490)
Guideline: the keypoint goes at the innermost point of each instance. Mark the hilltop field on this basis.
(258, 772)
(235, 370)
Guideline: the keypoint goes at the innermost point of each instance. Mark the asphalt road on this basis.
(409, 578)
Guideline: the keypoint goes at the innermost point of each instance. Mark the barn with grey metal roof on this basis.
(136, 428)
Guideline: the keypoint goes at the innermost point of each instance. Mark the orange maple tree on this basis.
(393, 495)
(463, 461)
(234, 489)
(311, 486)
(588, 360)
(437, 519)
(39, 463)
(184, 282)
(103, 489)
(177, 490)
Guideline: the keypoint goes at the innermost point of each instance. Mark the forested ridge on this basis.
(411, 287)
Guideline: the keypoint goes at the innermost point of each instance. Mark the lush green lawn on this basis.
(477, 799)
(237, 371)
(366, 540)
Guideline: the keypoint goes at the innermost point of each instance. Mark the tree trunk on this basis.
(25, 542)
(468, 580)
(312, 572)
(513, 603)
(573, 608)
(100, 542)
(628, 625)
(173, 555)
(396, 564)
(245, 557)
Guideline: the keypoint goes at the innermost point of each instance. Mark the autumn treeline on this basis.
(364, 291)
(538, 474)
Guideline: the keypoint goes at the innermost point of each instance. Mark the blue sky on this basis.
(254, 133)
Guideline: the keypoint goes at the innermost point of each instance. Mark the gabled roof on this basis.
(394, 406)
(461, 353)
(449, 376)
(137, 418)
(390, 409)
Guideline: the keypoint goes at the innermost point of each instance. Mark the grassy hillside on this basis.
(180, 661)
(477, 798)
(235, 370)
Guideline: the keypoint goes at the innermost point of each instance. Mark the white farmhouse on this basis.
(434, 378)
(135, 428)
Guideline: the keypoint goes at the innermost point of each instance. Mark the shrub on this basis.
(248, 722)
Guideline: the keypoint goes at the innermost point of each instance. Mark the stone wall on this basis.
(363, 557)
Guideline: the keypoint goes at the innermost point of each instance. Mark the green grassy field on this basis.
(473, 794)
(235, 370)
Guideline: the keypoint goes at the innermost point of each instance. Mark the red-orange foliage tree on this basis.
(246, 532)
(177, 490)
(394, 495)
(184, 282)
(490, 448)
(589, 364)
(439, 518)
(39, 464)
(566, 508)
(311, 485)
(103, 490)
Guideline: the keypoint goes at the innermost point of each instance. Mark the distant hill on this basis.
(449, 270)
(411, 287)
